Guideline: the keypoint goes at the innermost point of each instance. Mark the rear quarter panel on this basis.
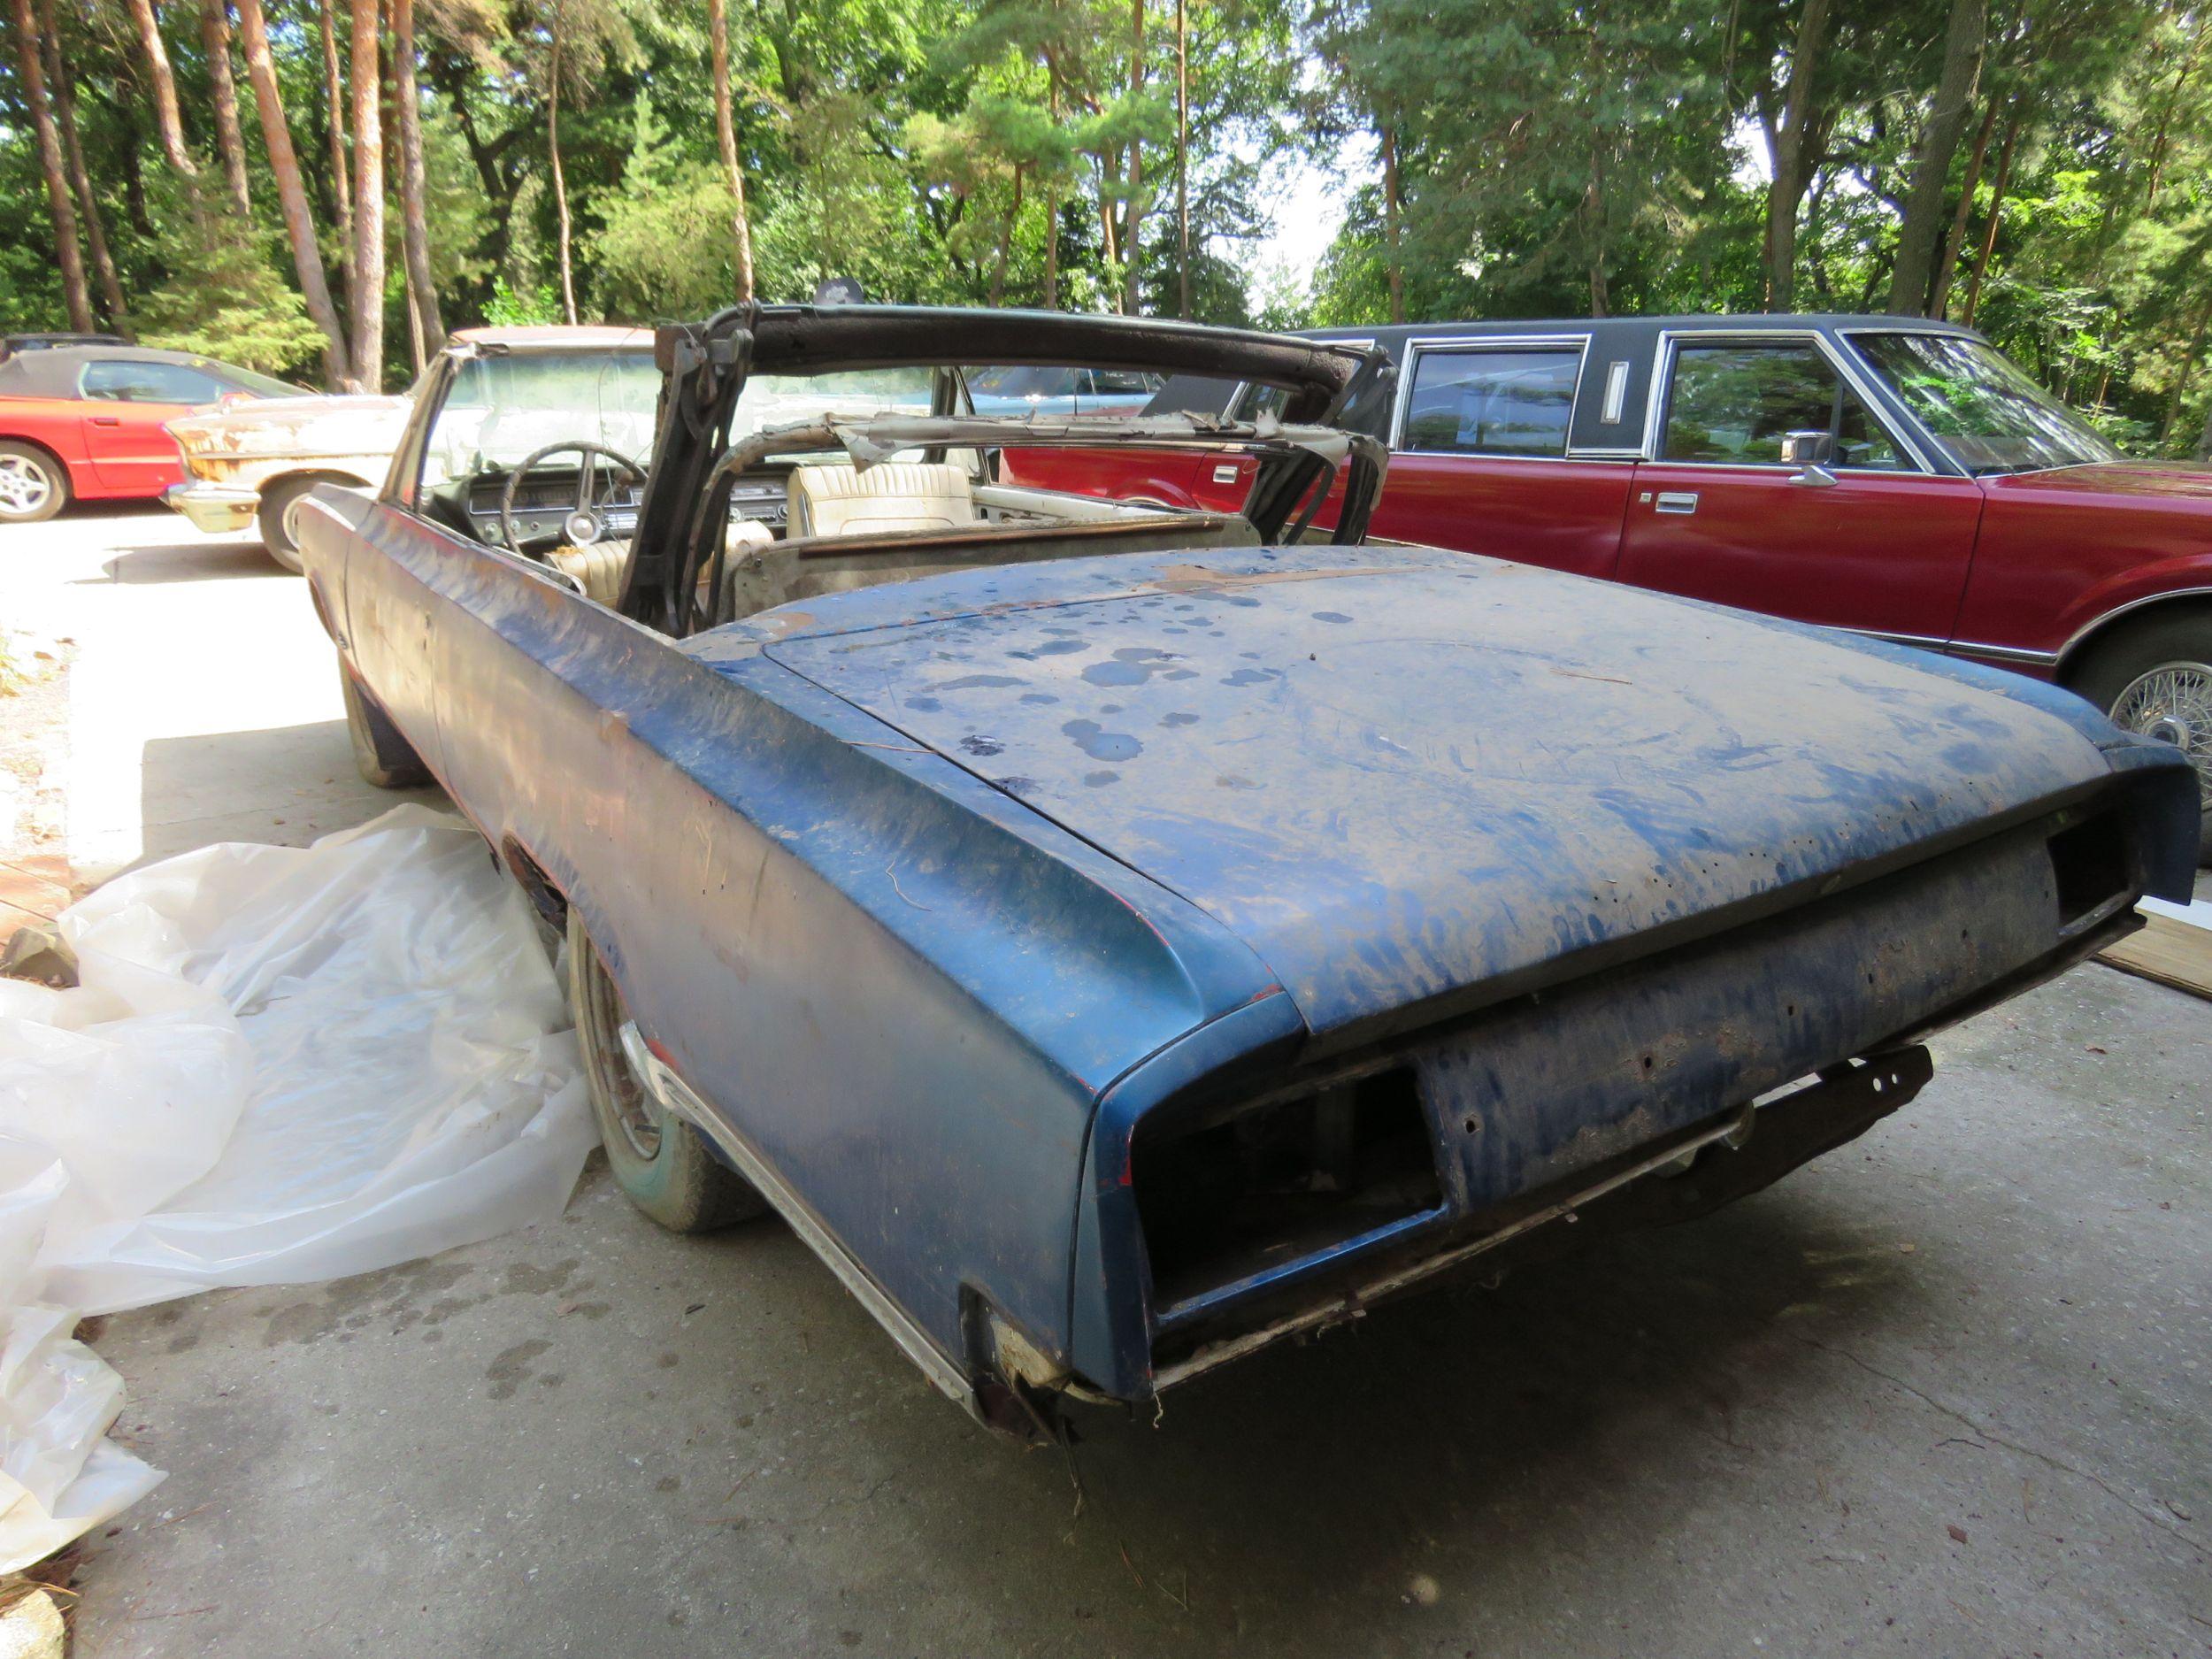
(902, 1006)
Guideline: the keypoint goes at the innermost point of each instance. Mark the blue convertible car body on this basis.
(1117, 939)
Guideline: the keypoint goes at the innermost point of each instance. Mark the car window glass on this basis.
(1492, 403)
(1735, 403)
(129, 381)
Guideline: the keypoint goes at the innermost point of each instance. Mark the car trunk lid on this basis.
(1402, 774)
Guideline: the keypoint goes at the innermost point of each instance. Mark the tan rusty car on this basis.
(246, 463)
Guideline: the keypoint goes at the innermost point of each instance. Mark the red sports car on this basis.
(84, 422)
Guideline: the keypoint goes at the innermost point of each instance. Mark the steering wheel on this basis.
(585, 522)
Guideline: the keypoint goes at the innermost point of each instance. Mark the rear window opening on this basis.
(2090, 861)
(1223, 1198)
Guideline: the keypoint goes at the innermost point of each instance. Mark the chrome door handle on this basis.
(1226, 474)
(1676, 501)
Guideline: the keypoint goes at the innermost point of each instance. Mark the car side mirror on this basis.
(1809, 448)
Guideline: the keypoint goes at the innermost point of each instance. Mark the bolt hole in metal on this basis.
(2173, 704)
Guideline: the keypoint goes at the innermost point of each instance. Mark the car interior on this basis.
(799, 509)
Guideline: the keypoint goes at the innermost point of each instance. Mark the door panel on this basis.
(1565, 515)
(1886, 553)
(389, 625)
(129, 451)
(1777, 490)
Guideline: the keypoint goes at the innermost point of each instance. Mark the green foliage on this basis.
(222, 295)
(1554, 157)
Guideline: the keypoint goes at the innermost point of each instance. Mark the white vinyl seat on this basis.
(890, 496)
(597, 569)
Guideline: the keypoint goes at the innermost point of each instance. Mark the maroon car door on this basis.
(1480, 462)
(1874, 539)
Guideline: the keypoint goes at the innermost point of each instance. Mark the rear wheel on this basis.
(659, 1160)
(2154, 676)
(34, 486)
(276, 535)
(384, 757)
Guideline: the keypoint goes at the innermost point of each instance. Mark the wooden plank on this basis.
(2173, 953)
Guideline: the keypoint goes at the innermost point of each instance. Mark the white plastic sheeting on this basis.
(281, 1065)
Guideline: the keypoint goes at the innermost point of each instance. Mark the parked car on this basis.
(1059, 390)
(246, 464)
(1115, 940)
(84, 423)
(1887, 476)
(10, 344)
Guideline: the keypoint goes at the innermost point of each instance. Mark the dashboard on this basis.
(543, 502)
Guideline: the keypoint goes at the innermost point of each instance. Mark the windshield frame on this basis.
(2098, 449)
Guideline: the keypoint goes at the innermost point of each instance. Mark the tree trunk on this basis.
(2166, 114)
(64, 99)
(1913, 274)
(284, 166)
(1182, 158)
(1787, 152)
(1049, 292)
(1394, 204)
(1954, 244)
(1996, 213)
(59, 202)
(560, 183)
(422, 288)
(334, 121)
(230, 142)
(1133, 203)
(2188, 367)
(2204, 438)
(1006, 243)
(725, 138)
(167, 122)
(368, 297)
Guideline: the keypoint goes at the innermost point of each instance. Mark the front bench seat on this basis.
(890, 496)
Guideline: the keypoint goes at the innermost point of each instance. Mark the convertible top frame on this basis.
(705, 367)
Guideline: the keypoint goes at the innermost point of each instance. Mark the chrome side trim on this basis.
(2088, 628)
(2001, 653)
(682, 1101)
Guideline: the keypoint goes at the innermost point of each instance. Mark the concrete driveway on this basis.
(1948, 1391)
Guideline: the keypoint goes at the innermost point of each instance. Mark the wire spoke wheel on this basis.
(626, 1106)
(2173, 704)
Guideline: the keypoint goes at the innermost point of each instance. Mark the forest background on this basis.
(321, 189)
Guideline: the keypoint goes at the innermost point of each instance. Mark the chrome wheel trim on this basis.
(25, 484)
(637, 1115)
(2173, 704)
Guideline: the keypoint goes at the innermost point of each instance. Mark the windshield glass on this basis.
(769, 400)
(503, 405)
(259, 385)
(1990, 416)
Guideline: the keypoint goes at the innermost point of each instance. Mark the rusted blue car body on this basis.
(1110, 963)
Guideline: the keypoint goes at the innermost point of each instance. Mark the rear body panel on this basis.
(1407, 774)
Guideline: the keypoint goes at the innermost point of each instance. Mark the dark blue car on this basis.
(1114, 938)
